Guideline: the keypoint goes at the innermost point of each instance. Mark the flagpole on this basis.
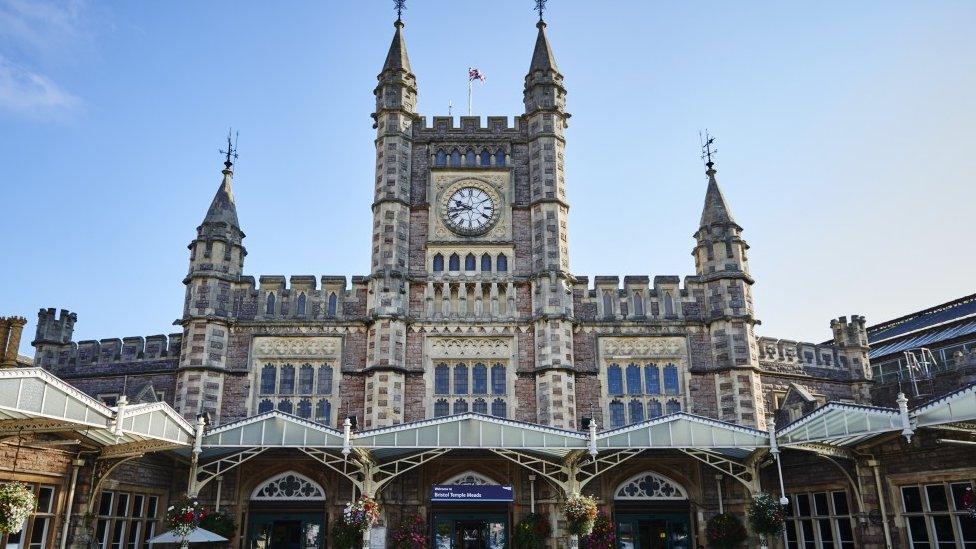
(469, 95)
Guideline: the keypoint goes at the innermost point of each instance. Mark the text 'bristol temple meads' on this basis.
(471, 356)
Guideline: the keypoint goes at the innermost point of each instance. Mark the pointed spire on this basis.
(716, 210)
(222, 208)
(397, 59)
(542, 58)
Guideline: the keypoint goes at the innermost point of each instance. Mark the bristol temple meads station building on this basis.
(471, 359)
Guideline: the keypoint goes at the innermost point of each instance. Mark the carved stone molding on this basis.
(469, 347)
(296, 347)
(643, 347)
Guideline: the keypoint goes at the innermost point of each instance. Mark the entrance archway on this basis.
(481, 522)
(652, 511)
(287, 511)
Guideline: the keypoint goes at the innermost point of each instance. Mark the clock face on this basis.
(470, 210)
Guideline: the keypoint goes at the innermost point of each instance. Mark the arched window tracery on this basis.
(650, 486)
(288, 486)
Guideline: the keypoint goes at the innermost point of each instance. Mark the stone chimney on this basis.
(11, 329)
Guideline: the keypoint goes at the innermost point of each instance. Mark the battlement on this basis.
(797, 352)
(445, 125)
(850, 334)
(54, 329)
(298, 283)
(640, 297)
(298, 297)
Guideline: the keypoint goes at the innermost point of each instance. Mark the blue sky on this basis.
(846, 138)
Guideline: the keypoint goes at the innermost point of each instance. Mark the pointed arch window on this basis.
(652, 379)
(323, 412)
(633, 379)
(485, 157)
(653, 408)
(325, 380)
(497, 379)
(301, 304)
(636, 411)
(671, 380)
(285, 406)
(454, 263)
(440, 159)
(460, 380)
(498, 408)
(500, 157)
(617, 414)
(332, 304)
(306, 376)
(638, 304)
(480, 379)
(485, 263)
(265, 406)
(460, 406)
(668, 305)
(287, 384)
(269, 305)
(673, 406)
(480, 406)
(441, 408)
(469, 158)
(438, 263)
(442, 381)
(615, 382)
(469, 262)
(501, 264)
(455, 158)
(268, 375)
(304, 408)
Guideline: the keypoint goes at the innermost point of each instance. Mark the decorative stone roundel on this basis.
(650, 486)
(469, 478)
(288, 486)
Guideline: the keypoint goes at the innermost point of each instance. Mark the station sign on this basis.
(470, 493)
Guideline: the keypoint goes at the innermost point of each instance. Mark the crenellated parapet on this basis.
(469, 126)
(110, 355)
(639, 298)
(299, 297)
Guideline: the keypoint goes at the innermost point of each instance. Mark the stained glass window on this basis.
(454, 263)
(617, 414)
(501, 263)
(498, 408)
(304, 408)
(652, 379)
(287, 384)
(615, 382)
(460, 406)
(497, 379)
(636, 411)
(673, 406)
(486, 263)
(325, 380)
(440, 408)
(653, 408)
(461, 379)
(442, 381)
(480, 406)
(285, 406)
(670, 379)
(268, 374)
(633, 379)
(469, 262)
(480, 379)
(438, 263)
(306, 375)
(265, 406)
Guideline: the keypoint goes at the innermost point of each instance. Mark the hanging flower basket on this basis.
(184, 516)
(16, 503)
(725, 531)
(362, 514)
(602, 536)
(766, 515)
(580, 512)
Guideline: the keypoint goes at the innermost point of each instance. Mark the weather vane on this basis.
(540, 6)
(231, 151)
(707, 151)
(399, 5)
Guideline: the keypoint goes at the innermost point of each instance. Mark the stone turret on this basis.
(11, 328)
(216, 262)
(851, 342)
(546, 118)
(722, 266)
(395, 115)
(52, 340)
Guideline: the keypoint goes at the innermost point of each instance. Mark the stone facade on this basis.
(465, 313)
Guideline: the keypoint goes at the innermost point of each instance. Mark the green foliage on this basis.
(531, 532)
(725, 531)
(219, 523)
(344, 536)
(765, 515)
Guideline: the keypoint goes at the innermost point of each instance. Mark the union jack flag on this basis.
(475, 74)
